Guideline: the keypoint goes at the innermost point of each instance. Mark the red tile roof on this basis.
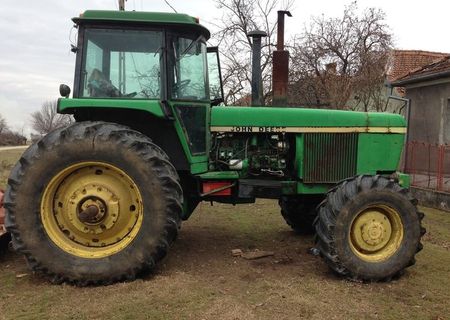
(440, 66)
(401, 62)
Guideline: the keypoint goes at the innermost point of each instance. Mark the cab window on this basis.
(122, 64)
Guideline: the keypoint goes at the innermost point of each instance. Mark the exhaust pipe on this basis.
(280, 71)
(257, 99)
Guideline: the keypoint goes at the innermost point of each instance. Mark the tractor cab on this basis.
(141, 59)
(152, 62)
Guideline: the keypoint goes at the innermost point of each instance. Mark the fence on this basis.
(429, 165)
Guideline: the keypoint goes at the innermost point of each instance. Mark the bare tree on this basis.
(341, 58)
(238, 19)
(3, 124)
(47, 119)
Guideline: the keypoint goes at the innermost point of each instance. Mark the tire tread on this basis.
(128, 139)
(330, 208)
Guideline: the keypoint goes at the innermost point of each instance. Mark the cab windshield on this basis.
(188, 75)
(122, 64)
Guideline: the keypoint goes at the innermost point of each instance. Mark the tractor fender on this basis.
(153, 107)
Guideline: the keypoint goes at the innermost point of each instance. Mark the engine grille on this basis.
(329, 157)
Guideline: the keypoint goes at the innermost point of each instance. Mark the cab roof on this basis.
(140, 17)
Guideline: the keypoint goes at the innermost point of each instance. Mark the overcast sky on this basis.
(35, 52)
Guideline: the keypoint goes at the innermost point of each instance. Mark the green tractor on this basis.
(102, 200)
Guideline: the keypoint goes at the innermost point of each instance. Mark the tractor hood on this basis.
(270, 119)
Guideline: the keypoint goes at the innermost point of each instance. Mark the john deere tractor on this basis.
(102, 200)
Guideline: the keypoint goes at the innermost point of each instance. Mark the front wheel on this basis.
(368, 228)
(93, 203)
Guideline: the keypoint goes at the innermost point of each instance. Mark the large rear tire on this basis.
(94, 203)
(368, 228)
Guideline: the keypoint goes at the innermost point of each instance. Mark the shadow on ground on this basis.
(200, 279)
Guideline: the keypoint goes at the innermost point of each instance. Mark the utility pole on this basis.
(122, 5)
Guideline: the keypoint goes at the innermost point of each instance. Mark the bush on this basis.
(11, 138)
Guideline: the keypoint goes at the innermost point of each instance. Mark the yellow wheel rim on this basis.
(376, 233)
(92, 210)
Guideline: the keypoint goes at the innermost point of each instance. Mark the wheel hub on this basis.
(376, 233)
(91, 209)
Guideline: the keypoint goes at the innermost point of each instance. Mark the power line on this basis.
(170, 6)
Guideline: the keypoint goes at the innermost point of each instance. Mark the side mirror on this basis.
(64, 90)
(215, 76)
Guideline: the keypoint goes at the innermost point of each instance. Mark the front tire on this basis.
(94, 203)
(368, 228)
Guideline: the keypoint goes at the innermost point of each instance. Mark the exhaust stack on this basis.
(257, 99)
(280, 69)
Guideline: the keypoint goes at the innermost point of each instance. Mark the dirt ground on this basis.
(200, 279)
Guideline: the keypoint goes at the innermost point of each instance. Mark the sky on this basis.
(35, 42)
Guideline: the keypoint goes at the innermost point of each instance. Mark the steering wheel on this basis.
(99, 86)
(181, 85)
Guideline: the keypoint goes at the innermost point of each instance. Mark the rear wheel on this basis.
(300, 212)
(93, 203)
(369, 228)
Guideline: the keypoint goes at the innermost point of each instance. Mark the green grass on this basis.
(200, 279)
(8, 159)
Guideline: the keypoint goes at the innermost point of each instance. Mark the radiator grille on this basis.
(329, 157)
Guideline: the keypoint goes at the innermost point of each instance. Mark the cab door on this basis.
(215, 76)
(189, 96)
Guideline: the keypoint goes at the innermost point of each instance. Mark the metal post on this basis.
(413, 165)
(122, 57)
(440, 168)
(256, 67)
(122, 5)
(408, 119)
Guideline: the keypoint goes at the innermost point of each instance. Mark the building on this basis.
(307, 92)
(427, 156)
(401, 62)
